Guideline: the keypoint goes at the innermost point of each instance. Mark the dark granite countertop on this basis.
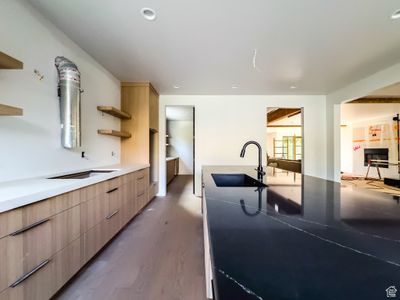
(301, 238)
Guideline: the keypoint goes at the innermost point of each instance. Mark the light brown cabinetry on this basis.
(31, 248)
(44, 244)
(172, 169)
(140, 100)
(153, 109)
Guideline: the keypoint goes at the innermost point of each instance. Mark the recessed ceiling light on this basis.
(395, 15)
(235, 87)
(148, 13)
(176, 87)
(293, 87)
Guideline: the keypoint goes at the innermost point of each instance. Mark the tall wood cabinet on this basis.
(140, 100)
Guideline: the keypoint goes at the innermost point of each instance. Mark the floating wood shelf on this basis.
(6, 110)
(122, 134)
(114, 112)
(8, 62)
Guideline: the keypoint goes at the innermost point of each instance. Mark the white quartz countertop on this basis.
(14, 194)
(171, 158)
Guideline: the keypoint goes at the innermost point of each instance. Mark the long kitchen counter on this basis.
(300, 238)
(14, 194)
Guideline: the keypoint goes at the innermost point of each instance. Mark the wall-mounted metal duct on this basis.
(69, 92)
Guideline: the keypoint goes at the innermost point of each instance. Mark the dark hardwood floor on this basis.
(159, 255)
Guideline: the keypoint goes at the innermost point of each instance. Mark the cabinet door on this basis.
(153, 110)
(93, 191)
(48, 276)
(18, 218)
(128, 202)
(141, 185)
(23, 250)
(170, 170)
(94, 239)
(67, 262)
(114, 217)
(93, 211)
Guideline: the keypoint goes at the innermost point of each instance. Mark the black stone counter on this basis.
(301, 238)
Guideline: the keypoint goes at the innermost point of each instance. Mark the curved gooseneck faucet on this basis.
(260, 170)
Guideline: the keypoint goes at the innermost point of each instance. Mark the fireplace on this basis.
(376, 153)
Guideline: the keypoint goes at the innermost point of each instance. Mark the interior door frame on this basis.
(193, 143)
(302, 133)
(194, 149)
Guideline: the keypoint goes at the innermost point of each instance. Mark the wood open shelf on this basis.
(122, 134)
(8, 62)
(114, 112)
(6, 110)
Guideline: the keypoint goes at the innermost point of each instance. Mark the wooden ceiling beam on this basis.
(282, 113)
(370, 100)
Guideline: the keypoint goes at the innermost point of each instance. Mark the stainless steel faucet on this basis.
(260, 170)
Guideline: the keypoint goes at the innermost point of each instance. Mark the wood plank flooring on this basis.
(159, 255)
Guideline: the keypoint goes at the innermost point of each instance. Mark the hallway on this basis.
(159, 255)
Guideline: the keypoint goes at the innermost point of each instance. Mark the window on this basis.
(290, 147)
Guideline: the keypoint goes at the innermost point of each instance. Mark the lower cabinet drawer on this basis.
(114, 216)
(18, 218)
(93, 212)
(27, 247)
(114, 223)
(42, 281)
(128, 202)
(142, 188)
(94, 239)
(141, 201)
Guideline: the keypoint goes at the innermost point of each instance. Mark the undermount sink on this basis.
(236, 180)
(82, 175)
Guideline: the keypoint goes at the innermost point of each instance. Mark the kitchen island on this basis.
(299, 238)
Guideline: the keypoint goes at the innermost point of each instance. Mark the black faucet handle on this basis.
(260, 171)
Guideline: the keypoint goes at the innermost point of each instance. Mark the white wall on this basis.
(346, 149)
(224, 123)
(30, 145)
(181, 144)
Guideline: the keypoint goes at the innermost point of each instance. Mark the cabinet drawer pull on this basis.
(112, 190)
(139, 178)
(140, 194)
(22, 230)
(112, 214)
(29, 274)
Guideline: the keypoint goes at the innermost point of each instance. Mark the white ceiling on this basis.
(179, 113)
(207, 46)
(353, 113)
(391, 91)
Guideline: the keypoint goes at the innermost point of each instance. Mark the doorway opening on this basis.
(285, 141)
(369, 141)
(180, 143)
